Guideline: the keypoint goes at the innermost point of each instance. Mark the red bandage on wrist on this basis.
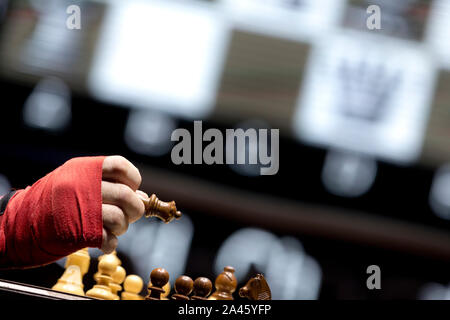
(57, 215)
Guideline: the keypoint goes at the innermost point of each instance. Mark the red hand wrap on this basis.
(57, 215)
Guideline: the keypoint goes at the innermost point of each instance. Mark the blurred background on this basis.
(364, 119)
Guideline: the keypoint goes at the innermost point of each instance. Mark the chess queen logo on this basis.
(367, 94)
(366, 89)
(250, 146)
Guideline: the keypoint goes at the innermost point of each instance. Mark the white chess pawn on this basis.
(132, 286)
(107, 266)
(77, 265)
(117, 279)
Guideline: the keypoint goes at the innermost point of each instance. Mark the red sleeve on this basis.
(59, 214)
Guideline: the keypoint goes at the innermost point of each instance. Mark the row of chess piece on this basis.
(111, 275)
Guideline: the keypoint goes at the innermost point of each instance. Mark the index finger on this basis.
(120, 170)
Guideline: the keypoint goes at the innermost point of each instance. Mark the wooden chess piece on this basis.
(166, 291)
(183, 288)
(166, 211)
(77, 265)
(117, 278)
(225, 284)
(256, 288)
(114, 255)
(202, 288)
(107, 266)
(132, 287)
(158, 279)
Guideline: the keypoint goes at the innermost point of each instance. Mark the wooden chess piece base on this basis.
(132, 286)
(159, 277)
(70, 282)
(107, 266)
(77, 265)
(202, 288)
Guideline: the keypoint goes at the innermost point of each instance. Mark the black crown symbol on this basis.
(366, 89)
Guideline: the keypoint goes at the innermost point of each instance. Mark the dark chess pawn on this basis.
(183, 288)
(202, 288)
(256, 288)
(225, 284)
(158, 279)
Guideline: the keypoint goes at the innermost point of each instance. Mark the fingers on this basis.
(142, 194)
(109, 242)
(121, 205)
(114, 219)
(125, 198)
(118, 169)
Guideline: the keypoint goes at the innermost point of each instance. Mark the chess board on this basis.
(112, 283)
(15, 290)
(112, 278)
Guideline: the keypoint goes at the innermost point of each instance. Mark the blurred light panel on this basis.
(354, 98)
(148, 132)
(348, 174)
(434, 291)
(48, 107)
(246, 247)
(439, 197)
(161, 54)
(403, 19)
(285, 18)
(153, 244)
(3, 9)
(291, 273)
(51, 47)
(5, 186)
(438, 31)
(250, 147)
